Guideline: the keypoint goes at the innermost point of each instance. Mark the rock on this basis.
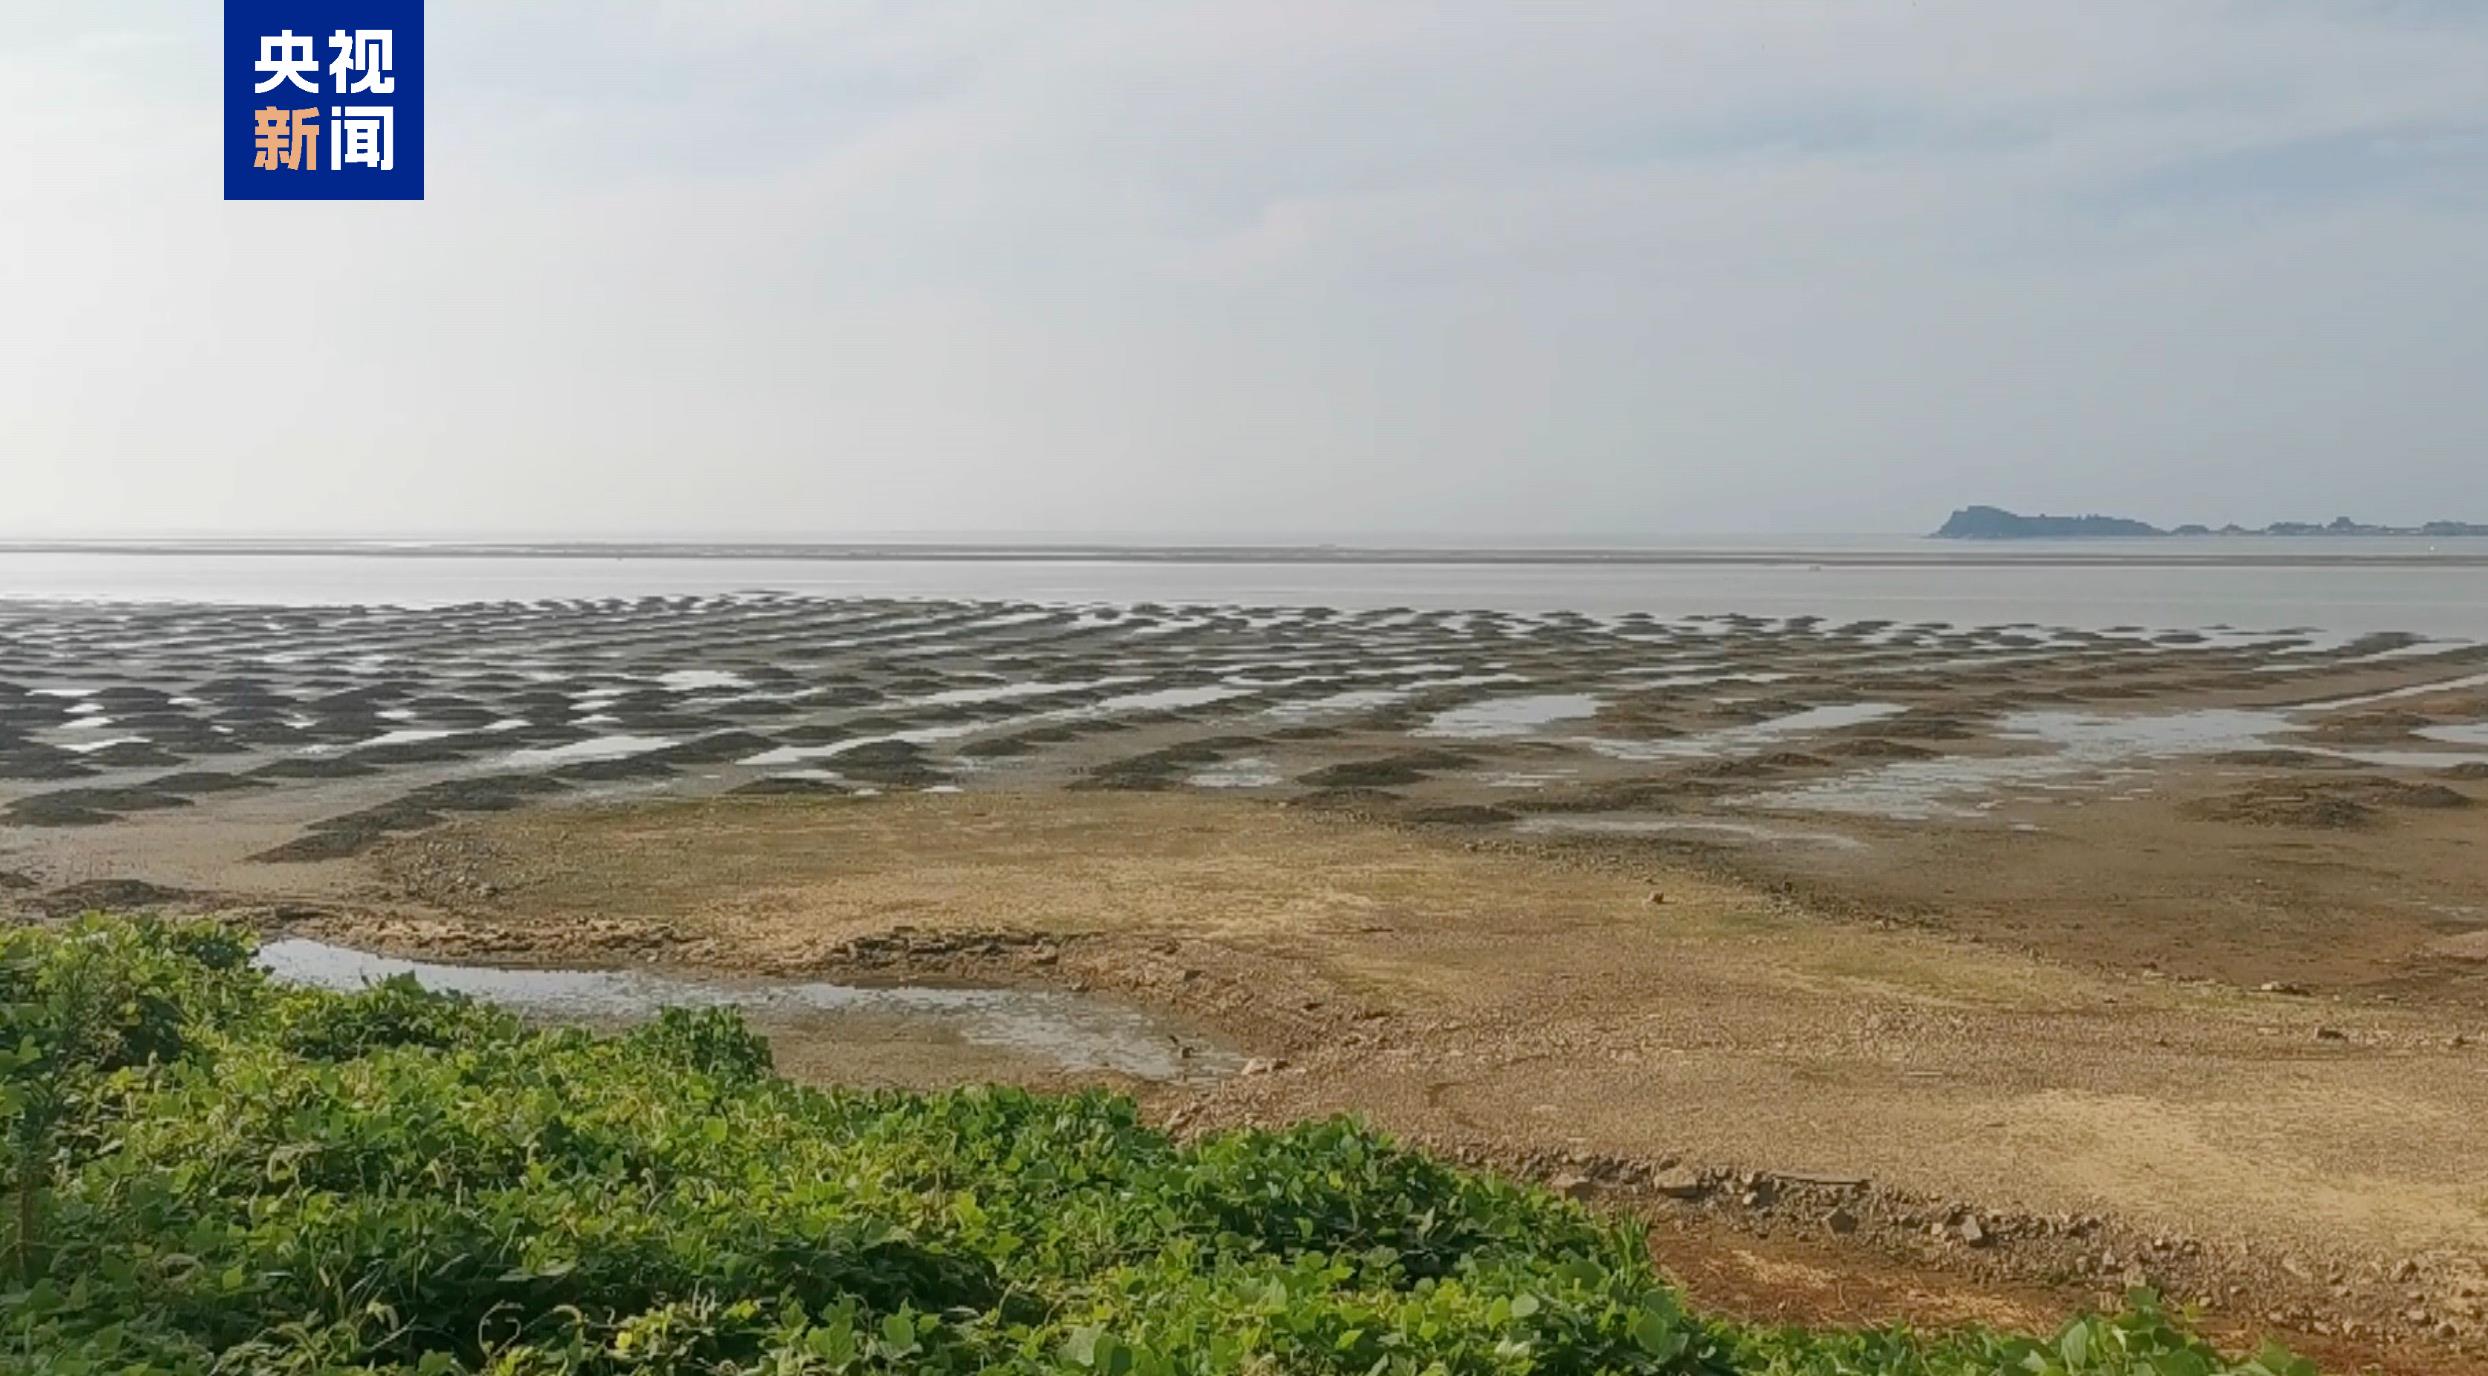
(1841, 1221)
(1677, 1182)
(1971, 1232)
(1657, 898)
(1572, 1185)
(1260, 1066)
(2281, 987)
(2331, 1034)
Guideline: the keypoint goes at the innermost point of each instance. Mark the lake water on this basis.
(2336, 585)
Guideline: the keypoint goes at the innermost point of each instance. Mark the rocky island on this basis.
(1995, 523)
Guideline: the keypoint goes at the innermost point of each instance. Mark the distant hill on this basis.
(1995, 523)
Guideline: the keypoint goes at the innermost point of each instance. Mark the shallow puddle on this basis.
(405, 735)
(694, 680)
(1004, 692)
(1523, 778)
(2415, 690)
(1165, 699)
(1243, 773)
(2094, 738)
(1349, 700)
(1513, 716)
(1633, 825)
(1749, 739)
(580, 752)
(2087, 751)
(1067, 1032)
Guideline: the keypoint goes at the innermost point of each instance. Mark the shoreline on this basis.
(2462, 552)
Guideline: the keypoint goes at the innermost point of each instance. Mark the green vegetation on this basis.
(210, 1173)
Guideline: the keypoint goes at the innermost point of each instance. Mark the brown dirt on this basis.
(1715, 1055)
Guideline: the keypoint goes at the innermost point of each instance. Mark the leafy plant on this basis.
(246, 1177)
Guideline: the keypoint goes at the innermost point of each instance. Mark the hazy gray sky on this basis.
(1267, 266)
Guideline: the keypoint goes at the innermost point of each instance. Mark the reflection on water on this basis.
(1739, 740)
(1513, 716)
(580, 752)
(2467, 733)
(1069, 1031)
(2086, 736)
(1244, 773)
(2083, 749)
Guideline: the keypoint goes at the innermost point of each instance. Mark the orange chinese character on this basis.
(287, 138)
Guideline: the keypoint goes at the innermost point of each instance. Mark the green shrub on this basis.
(239, 1177)
(394, 1012)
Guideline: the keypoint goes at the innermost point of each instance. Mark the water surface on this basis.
(2265, 584)
(1071, 1032)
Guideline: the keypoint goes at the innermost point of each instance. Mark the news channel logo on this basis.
(323, 100)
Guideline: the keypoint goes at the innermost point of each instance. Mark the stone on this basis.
(1677, 1182)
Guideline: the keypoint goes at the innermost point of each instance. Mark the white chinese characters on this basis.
(287, 56)
(362, 55)
(365, 135)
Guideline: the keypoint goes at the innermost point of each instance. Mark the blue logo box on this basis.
(323, 100)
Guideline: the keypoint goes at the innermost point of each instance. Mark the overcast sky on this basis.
(1267, 267)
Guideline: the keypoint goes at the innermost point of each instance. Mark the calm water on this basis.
(1069, 1031)
(2254, 584)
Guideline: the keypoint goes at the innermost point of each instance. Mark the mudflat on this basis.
(1892, 970)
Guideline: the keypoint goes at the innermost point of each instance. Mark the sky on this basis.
(1266, 269)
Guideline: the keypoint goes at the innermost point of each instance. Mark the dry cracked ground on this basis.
(1887, 969)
